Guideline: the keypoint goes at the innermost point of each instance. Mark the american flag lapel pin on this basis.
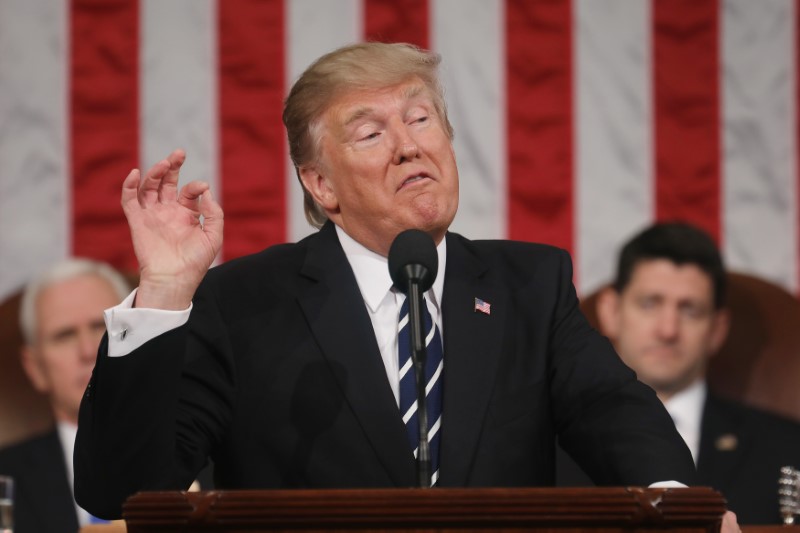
(482, 306)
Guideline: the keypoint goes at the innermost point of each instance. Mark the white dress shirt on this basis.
(686, 410)
(66, 434)
(384, 303)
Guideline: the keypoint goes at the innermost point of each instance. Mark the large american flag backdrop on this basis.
(577, 121)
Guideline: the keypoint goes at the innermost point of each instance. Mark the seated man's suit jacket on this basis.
(278, 378)
(741, 452)
(43, 500)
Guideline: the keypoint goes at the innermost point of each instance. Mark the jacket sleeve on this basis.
(148, 420)
(613, 425)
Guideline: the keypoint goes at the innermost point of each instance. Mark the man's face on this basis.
(70, 326)
(664, 324)
(386, 164)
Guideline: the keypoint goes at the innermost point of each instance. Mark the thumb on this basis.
(213, 216)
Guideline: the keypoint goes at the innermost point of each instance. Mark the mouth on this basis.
(663, 352)
(413, 179)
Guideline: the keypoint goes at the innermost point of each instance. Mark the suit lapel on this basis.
(722, 444)
(340, 323)
(471, 342)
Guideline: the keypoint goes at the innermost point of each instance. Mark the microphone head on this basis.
(413, 257)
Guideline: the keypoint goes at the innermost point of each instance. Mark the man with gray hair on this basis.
(61, 318)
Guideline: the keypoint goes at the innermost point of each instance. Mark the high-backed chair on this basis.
(23, 412)
(759, 364)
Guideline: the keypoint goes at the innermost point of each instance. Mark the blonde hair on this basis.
(354, 67)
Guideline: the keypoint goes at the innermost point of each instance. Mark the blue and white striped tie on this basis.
(433, 380)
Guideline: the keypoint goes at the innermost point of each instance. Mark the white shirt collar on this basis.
(66, 434)
(686, 410)
(372, 271)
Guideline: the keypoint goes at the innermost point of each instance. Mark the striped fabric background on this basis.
(577, 121)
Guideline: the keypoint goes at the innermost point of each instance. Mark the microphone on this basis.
(413, 264)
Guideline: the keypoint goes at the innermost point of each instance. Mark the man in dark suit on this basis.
(61, 318)
(283, 366)
(665, 314)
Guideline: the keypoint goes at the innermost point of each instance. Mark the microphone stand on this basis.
(419, 355)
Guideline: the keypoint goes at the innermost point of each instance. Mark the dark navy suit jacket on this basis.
(278, 378)
(741, 452)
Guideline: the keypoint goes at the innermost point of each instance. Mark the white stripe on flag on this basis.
(34, 170)
(313, 28)
(759, 139)
(613, 152)
(179, 101)
(473, 72)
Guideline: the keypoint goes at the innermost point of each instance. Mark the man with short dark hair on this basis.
(666, 316)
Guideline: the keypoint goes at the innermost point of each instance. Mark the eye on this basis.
(63, 336)
(419, 119)
(693, 311)
(647, 302)
(367, 135)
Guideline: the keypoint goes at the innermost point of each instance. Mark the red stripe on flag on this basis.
(687, 112)
(104, 127)
(539, 117)
(252, 139)
(397, 21)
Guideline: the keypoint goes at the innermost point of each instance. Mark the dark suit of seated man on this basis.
(61, 318)
(282, 366)
(665, 314)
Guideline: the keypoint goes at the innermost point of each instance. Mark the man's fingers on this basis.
(150, 183)
(130, 187)
(169, 184)
(190, 194)
(160, 183)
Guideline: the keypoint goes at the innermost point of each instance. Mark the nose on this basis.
(406, 148)
(669, 324)
(88, 343)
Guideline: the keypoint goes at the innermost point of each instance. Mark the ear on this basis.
(719, 332)
(320, 188)
(608, 301)
(31, 363)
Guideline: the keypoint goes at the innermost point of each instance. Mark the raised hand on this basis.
(173, 246)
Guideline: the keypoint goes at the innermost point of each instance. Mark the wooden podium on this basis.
(601, 510)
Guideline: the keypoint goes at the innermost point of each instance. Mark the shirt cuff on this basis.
(130, 327)
(667, 485)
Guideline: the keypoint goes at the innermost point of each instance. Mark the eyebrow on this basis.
(410, 92)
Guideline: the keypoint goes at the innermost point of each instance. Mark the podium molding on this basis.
(606, 510)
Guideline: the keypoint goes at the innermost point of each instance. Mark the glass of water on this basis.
(6, 504)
